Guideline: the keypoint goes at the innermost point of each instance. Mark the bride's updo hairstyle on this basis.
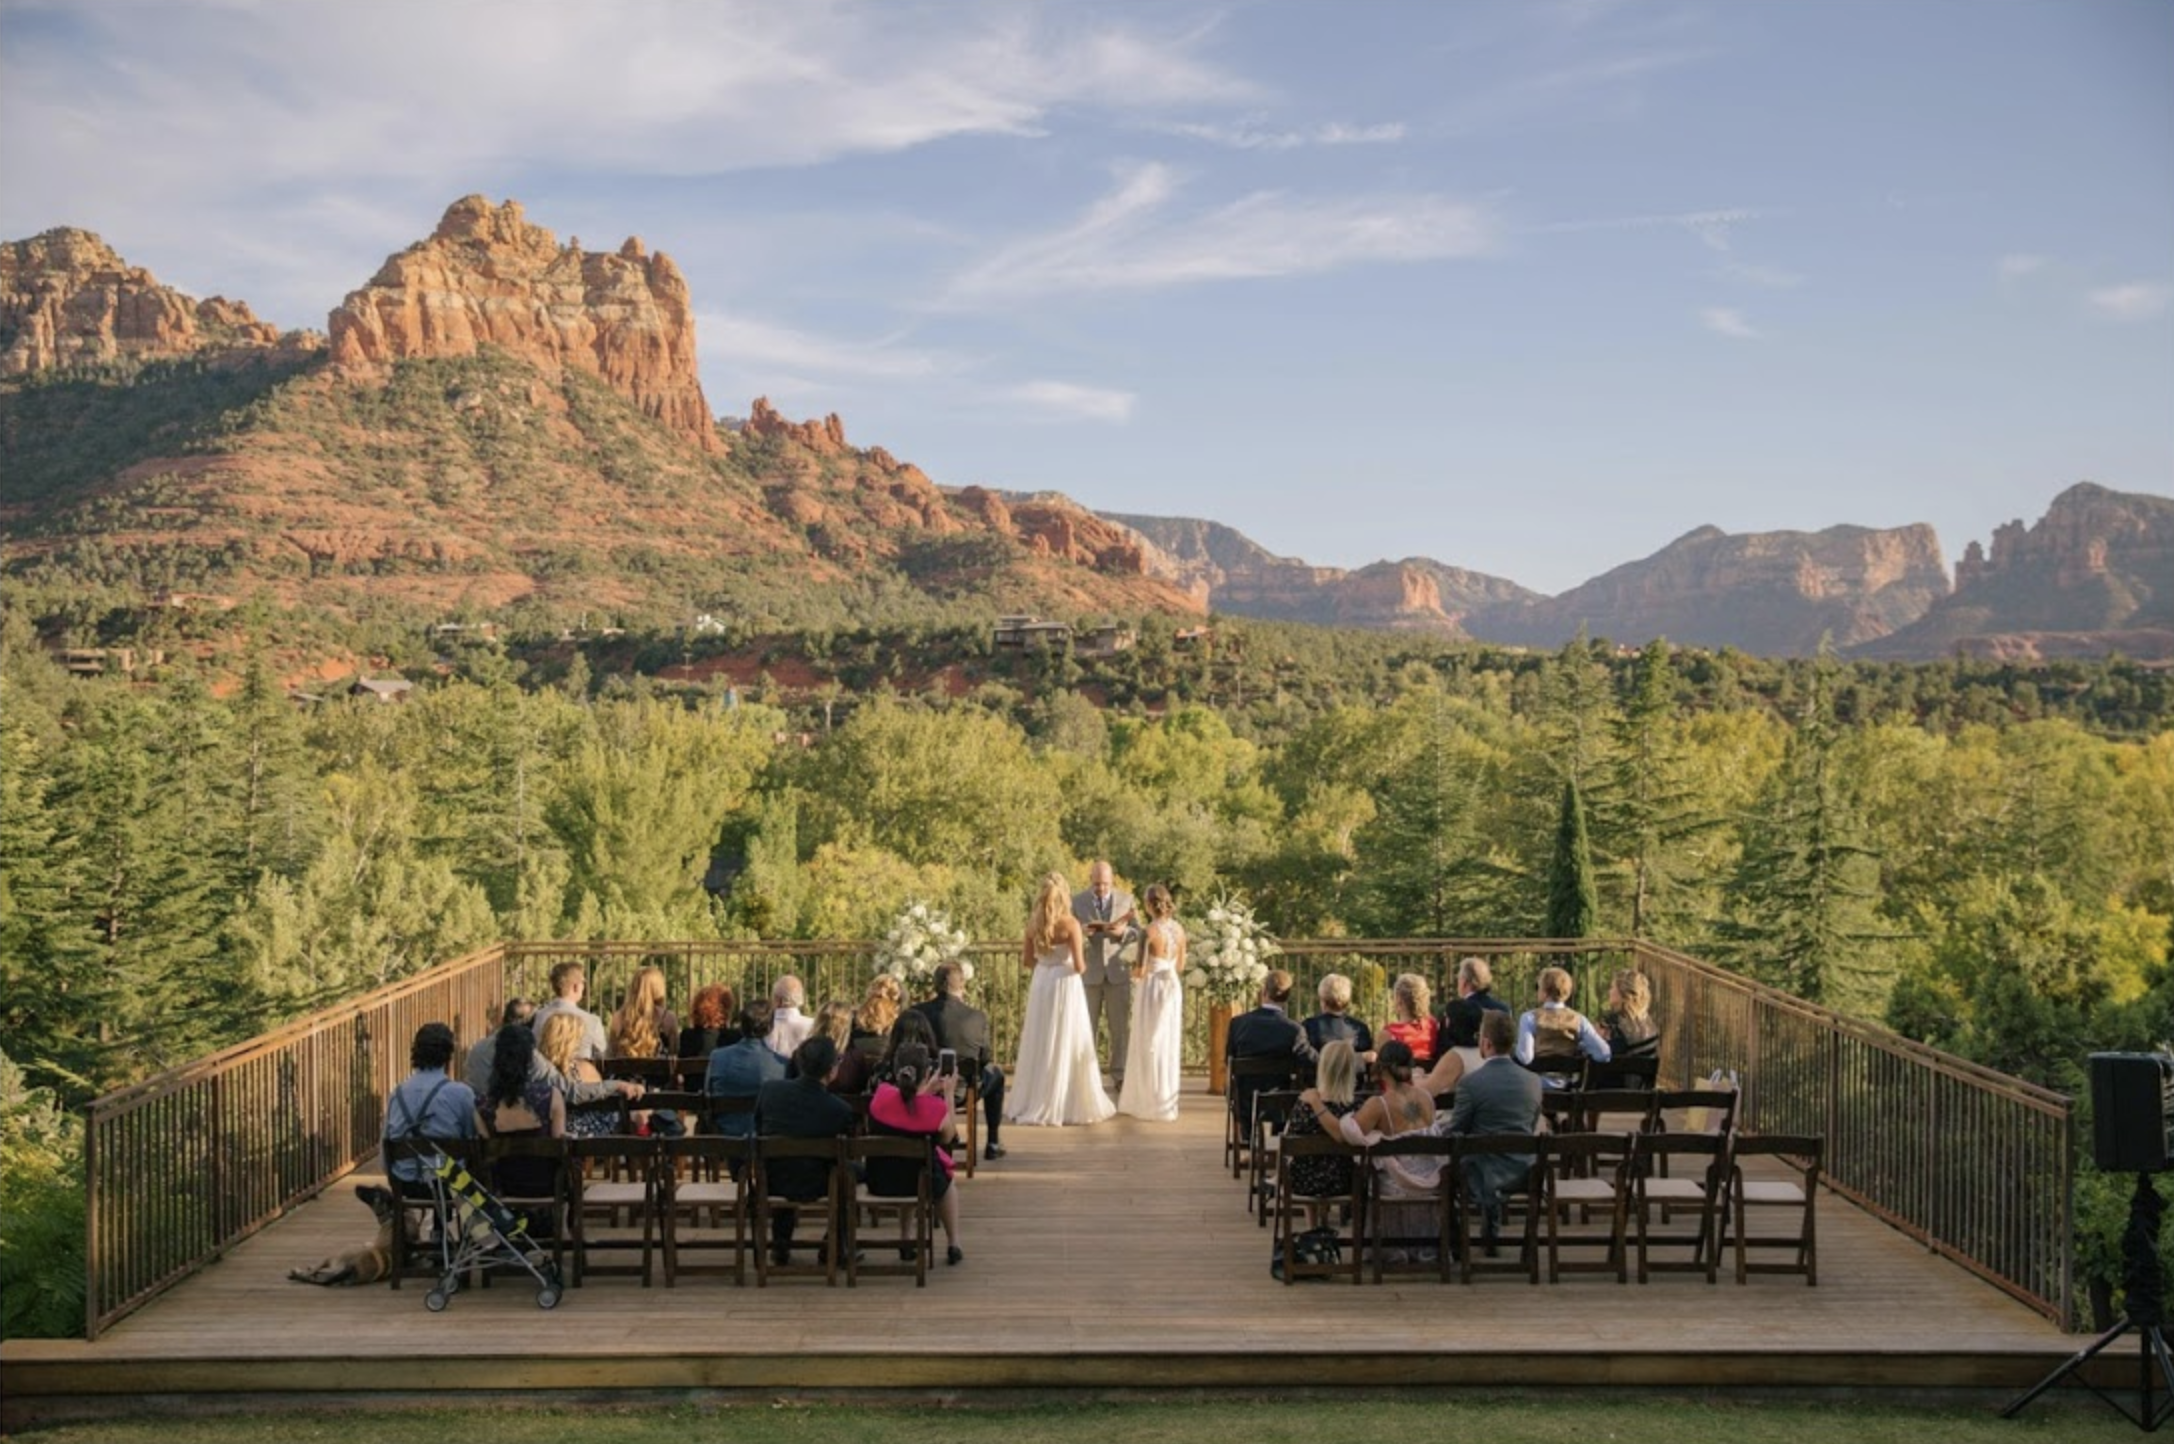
(1053, 901)
(1394, 1062)
(1157, 898)
(909, 1069)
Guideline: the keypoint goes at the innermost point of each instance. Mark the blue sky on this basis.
(1531, 288)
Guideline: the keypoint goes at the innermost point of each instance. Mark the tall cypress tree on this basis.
(1572, 903)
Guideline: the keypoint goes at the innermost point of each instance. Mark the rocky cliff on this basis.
(1238, 575)
(2096, 573)
(66, 299)
(486, 277)
(1773, 593)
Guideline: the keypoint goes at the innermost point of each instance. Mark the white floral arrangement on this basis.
(920, 940)
(1228, 957)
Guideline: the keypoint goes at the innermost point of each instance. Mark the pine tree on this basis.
(1801, 906)
(1572, 903)
(1650, 810)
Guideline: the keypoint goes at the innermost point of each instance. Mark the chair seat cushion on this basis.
(704, 1195)
(1584, 1190)
(615, 1194)
(1773, 1193)
(1674, 1190)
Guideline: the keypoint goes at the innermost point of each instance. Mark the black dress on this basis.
(1321, 1175)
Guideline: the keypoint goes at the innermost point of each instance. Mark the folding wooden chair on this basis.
(1271, 1115)
(970, 1105)
(826, 1206)
(529, 1174)
(1439, 1241)
(1469, 1219)
(423, 1255)
(1620, 1072)
(1587, 1171)
(897, 1183)
(649, 1072)
(704, 1179)
(1317, 1211)
(1701, 1189)
(1801, 1154)
(1248, 1077)
(624, 1190)
(1561, 1070)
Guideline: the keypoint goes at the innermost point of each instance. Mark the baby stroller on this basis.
(476, 1231)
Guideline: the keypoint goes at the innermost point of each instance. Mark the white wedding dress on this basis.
(1057, 1079)
(1158, 1033)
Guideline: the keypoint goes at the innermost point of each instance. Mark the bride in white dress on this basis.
(1057, 1079)
(1158, 1016)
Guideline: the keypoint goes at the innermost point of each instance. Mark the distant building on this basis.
(97, 661)
(384, 689)
(1188, 639)
(705, 625)
(465, 632)
(1026, 634)
(1107, 641)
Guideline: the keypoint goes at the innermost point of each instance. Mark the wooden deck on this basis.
(1114, 1257)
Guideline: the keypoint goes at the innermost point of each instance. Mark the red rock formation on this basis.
(486, 277)
(824, 438)
(66, 299)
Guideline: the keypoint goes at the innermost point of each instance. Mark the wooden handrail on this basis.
(1976, 1165)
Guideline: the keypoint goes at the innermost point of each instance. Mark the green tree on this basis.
(1572, 903)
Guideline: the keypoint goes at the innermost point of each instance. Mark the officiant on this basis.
(1107, 919)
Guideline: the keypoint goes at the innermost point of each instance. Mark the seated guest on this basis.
(1626, 1022)
(1555, 1029)
(1497, 1097)
(708, 1028)
(569, 986)
(908, 1027)
(1401, 1107)
(1266, 1032)
(1411, 1024)
(561, 1037)
(964, 1029)
(1334, 1021)
(913, 1104)
(428, 1103)
(834, 1020)
(1461, 1019)
(477, 1071)
(878, 1011)
(802, 1107)
(643, 1027)
(789, 1026)
(740, 1069)
(521, 1103)
(1332, 1098)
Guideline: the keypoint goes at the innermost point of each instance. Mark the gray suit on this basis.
(1108, 977)
(1499, 1096)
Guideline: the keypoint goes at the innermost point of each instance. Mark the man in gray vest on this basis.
(1106, 918)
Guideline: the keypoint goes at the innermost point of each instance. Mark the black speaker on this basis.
(2132, 1104)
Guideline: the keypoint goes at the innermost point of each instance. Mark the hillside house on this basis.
(1026, 634)
(383, 689)
(1107, 641)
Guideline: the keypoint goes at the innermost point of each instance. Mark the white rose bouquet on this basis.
(1227, 957)
(920, 939)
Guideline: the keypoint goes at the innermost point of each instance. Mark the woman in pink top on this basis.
(901, 1107)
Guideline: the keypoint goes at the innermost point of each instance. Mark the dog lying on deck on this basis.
(371, 1265)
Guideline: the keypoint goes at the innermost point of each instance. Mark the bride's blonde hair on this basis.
(1052, 902)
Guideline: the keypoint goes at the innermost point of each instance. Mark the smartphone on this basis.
(947, 1060)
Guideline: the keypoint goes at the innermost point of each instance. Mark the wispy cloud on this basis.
(1713, 227)
(1138, 237)
(1773, 278)
(2016, 265)
(1064, 401)
(1728, 321)
(1253, 133)
(747, 345)
(2134, 301)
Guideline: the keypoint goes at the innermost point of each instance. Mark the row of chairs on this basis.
(678, 1083)
(1623, 1176)
(675, 1199)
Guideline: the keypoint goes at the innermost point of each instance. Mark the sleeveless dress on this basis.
(1158, 1033)
(1057, 1079)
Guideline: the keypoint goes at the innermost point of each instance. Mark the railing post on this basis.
(93, 1249)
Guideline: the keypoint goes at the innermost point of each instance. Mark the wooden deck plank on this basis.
(1103, 1257)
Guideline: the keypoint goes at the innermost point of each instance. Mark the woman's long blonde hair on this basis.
(1411, 996)
(634, 1026)
(879, 1009)
(1052, 902)
(561, 1036)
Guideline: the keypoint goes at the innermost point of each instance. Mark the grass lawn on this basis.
(1304, 1420)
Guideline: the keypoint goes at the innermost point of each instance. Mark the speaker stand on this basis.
(2145, 1316)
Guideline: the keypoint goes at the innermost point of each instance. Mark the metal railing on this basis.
(1976, 1165)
